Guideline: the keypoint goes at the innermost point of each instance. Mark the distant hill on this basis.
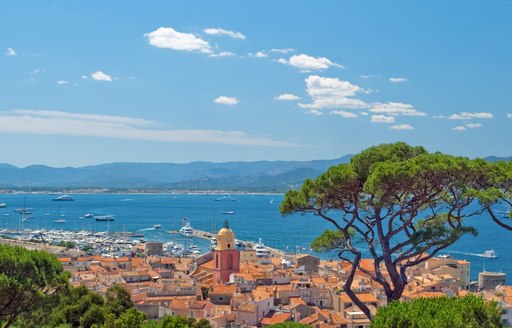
(259, 176)
(275, 176)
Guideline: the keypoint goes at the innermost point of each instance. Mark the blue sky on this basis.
(89, 82)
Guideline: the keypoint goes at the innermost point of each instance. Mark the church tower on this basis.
(226, 257)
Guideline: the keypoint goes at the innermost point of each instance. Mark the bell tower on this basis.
(225, 256)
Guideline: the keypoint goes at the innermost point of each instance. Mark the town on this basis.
(232, 287)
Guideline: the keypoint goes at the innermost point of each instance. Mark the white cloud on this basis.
(222, 54)
(226, 100)
(473, 125)
(397, 79)
(459, 128)
(383, 119)
(84, 77)
(314, 112)
(259, 54)
(283, 50)
(343, 113)
(332, 93)
(402, 127)
(219, 31)
(287, 96)
(10, 52)
(469, 116)
(100, 76)
(509, 115)
(439, 116)
(364, 113)
(308, 63)
(395, 108)
(104, 126)
(167, 37)
(61, 82)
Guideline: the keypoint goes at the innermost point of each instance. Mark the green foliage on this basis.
(28, 281)
(329, 240)
(444, 312)
(168, 321)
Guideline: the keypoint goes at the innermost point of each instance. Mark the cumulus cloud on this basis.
(343, 113)
(167, 37)
(397, 79)
(332, 93)
(105, 126)
(473, 125)
(259, 54)
(100, 76)
(220, 31)
(395, 108)
(10, 52)
(469, 116)
(401, 127)
(439, 116)
(509, 115)
(459, 128)
(308, 63)
(222, 54)
(314, 112)
(287, 96)
(61, 82)
(226, 100)
(383, 119)
(84, 77)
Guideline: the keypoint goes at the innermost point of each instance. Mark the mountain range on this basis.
(258, 176)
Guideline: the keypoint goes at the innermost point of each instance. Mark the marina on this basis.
(256, 216)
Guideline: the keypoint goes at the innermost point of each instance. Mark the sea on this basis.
(255, 216)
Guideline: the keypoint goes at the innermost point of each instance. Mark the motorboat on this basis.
(60, 221)
(261, 250)
(157, 226)
(490, 254)
(88, 216)
(64, 198)
(228, 212)
(2, 205)
(104, 218)
(24, 210)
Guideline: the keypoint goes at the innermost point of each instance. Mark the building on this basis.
(225, 255)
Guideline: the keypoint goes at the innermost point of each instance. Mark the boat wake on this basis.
(485, 254)
(146, 229)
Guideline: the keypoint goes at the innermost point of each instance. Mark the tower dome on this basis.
(225, 238)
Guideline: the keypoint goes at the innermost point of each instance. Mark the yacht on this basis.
(261, 250)
(490, 254)
(2, 205)
(65, 198)
(186, 230)
(24, 210)
(228, 212)
(60, 221)
(157, 226)
(88, 216)
(104, 218)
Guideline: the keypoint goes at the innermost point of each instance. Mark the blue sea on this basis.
(256, 216)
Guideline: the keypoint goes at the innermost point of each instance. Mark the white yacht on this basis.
(261, 250)
(64, 198)
(186, 230)
(157, 226)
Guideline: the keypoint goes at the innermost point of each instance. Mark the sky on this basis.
(91, 82)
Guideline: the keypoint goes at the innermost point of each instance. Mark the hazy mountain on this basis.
(260, 175)
(256, 176)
